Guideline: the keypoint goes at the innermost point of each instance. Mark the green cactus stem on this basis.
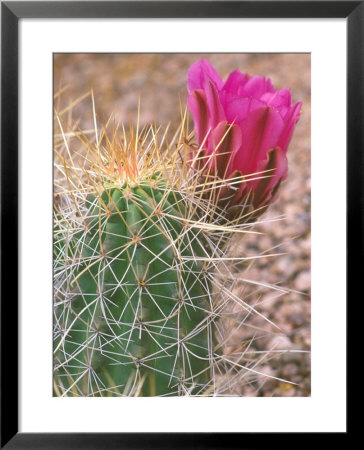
(134, 315)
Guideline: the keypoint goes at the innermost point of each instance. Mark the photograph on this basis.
(181, 196)
(181, 224)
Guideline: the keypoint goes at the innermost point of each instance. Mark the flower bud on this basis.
(243, 128)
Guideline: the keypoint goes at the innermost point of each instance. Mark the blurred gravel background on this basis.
(160, 80)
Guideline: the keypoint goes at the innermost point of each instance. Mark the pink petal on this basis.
(225, 140)
(261, 131)
(200, 72)
(278, 98)
(276, 166)
(237, 109)
(216, 111)
(256, 87)
(198, 106)
(234, 82)
(290, 120)
(281, 100)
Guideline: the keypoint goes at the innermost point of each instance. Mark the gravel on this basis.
(160, 79)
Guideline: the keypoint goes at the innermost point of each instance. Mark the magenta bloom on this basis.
(243, 126)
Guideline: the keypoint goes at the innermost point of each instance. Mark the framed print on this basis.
(181, 190)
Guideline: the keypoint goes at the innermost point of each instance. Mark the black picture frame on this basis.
(11, 13)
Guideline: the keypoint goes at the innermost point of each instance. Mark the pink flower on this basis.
(243, 127)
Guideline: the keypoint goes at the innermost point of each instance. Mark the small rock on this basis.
(265, 379)
(296, 319)
(284, 266)
(280, 342)
(303, 281)
(290, 370)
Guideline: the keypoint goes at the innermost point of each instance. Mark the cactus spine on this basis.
(144, 280)
(139, 316)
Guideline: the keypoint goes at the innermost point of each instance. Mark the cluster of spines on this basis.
(133, 293)
(111, 164)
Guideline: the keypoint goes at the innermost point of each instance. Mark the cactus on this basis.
(134, 304)
(144, 280)
(140, 309)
